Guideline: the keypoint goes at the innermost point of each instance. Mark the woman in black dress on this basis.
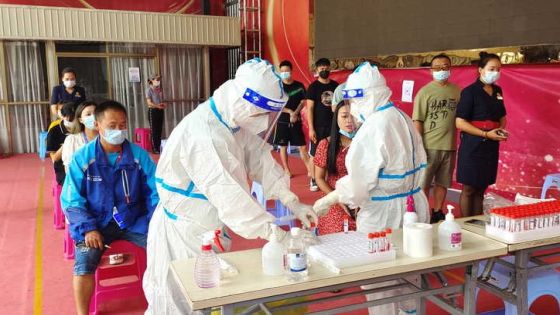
(481, 118)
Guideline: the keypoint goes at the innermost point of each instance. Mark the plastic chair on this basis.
(58, 216)
(540, 283)
(163, 142)
(549, 181)
(283, 215)
(142, 138)
(43, 144)
(68, 244)
(122, 280)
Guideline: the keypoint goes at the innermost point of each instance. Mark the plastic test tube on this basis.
(346, 226)
(370, 243)
(389, 232)
(382, 242)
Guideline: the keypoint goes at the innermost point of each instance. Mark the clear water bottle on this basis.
(296, 257)
(207, 267)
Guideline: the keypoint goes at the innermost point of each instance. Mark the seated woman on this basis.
(329, 167)
(83, 131)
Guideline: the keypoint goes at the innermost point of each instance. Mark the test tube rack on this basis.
(523, 223)
(346, 250)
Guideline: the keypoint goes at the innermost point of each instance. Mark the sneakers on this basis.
(313, 185)
(437, 216)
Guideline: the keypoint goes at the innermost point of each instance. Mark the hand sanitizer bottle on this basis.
(449, 232)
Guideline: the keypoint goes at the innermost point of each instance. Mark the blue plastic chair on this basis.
(283, 215)
(43, 144)
(545, 282)
(549, 181)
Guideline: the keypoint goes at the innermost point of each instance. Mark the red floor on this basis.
(36, 279)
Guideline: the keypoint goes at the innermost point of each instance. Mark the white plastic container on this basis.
(273, 256)
(409, 217)
(207, 266)
(449, 232)
(296, 257)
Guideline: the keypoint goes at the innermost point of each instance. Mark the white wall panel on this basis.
(51, 23)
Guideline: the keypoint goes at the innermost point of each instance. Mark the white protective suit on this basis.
(202, 179)
(385, 162)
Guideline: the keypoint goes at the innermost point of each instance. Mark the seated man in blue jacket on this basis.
(109, 194)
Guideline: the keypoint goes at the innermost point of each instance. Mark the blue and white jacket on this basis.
(93, 187)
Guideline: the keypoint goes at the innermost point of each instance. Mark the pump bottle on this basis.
(449, 232)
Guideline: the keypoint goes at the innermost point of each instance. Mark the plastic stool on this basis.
(283, 215)
(142, 138)
(43, 144)
(68, 244)
(58, 216)
(540, 283)
(119, 281)
(549, 181)
(163, 142)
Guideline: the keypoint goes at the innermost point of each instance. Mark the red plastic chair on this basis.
(58, 216)
(142, 138)
(119, 281)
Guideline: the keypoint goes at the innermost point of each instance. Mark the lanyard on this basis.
(119, 158)
(85, 137)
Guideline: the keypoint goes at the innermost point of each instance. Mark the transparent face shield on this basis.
(354, 99)
(264, 123)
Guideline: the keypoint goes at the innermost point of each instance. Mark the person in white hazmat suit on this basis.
(385, 162)
(202, 178)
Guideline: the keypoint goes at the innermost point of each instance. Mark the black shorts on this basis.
(322, 133)
(288, 133)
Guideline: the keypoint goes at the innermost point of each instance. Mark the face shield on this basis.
(264, 116)
(356, 100)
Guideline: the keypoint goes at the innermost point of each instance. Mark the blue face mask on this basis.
(441, 75)
(114, 136)
(285, 75)
(89, 122)
(347, 134)
(491, 77)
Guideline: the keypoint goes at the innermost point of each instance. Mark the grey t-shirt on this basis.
(155, 95)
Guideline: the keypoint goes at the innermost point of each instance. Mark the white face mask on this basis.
(69, 83)
(156, 83)
(68, 124)
(490, 77)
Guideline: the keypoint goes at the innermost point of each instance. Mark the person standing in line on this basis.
(434, 118)
(481, 117)
(319, 110)
(68, 91)
(289, 129)
(154, 98)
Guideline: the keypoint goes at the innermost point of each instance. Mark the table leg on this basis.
(521, 263)
(421, 283)
(227, 310)
(469, 303)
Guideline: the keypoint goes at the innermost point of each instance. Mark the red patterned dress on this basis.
(333, 221)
